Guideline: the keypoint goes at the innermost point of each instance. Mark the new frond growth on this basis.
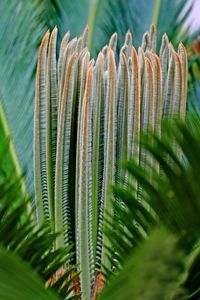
(89, 115)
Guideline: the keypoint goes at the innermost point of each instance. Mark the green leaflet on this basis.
(89, 115)
(26, 286)
(153, 270)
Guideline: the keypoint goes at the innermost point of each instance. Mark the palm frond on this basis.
(177, 202)
(152, 271)
(20, 234)
(131, 225)
(19, 281)
(191, 282)
(9, 161)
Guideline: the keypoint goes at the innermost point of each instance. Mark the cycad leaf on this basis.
(18, 281)
(170, 198)
(151, 272)
(20, 234)
(132, 223)
(96, 100)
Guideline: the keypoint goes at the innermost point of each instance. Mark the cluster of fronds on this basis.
(89, 115)
(31, 18)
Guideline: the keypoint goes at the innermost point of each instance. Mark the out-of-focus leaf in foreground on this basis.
(19, 281)
(151, 272)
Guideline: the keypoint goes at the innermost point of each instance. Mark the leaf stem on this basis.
(12, 150)
(156, 12)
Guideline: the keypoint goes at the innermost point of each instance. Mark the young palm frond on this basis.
(88, 116)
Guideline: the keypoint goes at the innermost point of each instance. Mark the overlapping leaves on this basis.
(22, 24)
(19, 234)
(170, 198)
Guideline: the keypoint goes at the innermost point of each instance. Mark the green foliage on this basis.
(9, 162)
(175, 195)
(93, 118)
(131, 225)
(19, 281)
(20, 235)
(151, 272)
(170, 198)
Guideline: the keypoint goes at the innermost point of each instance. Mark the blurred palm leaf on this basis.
(19, 234)
(192, 280)
(174, 196)
(151, 272)
(119, 16)
(19, 281)
(132, 223)
(170, 197)
(22, 24)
